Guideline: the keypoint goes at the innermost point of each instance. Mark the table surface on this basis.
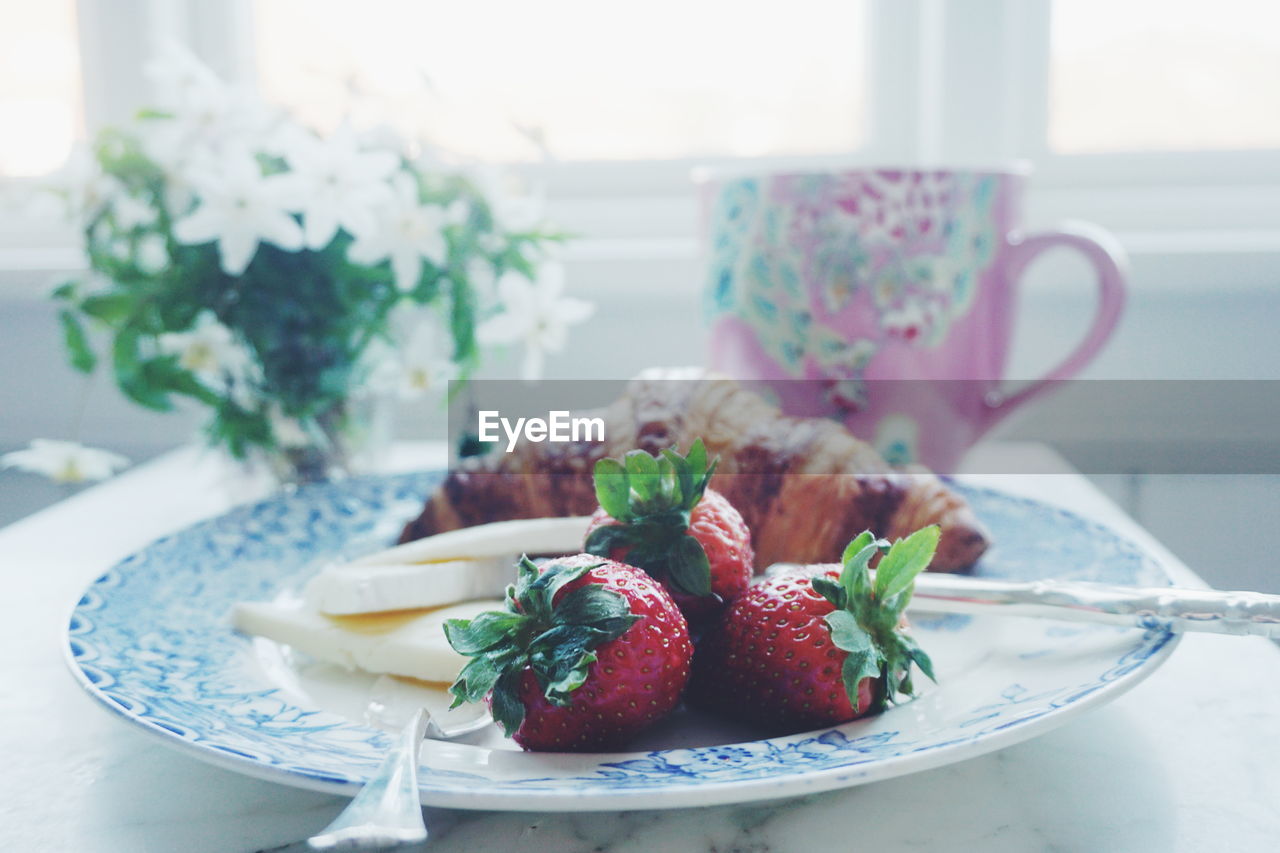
(1186, 761)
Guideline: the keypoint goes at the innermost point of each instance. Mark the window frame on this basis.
(919, 52)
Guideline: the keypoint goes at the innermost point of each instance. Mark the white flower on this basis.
(211, 351)
(336, 185)
(419, 366)
(536, 314)
(205, 115)
(83, 187)
(64, 461)
(511, 210)
(407, 232)
(130, 213)
(239, 208)
(152, 255)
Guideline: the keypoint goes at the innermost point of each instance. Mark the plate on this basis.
(151, 639)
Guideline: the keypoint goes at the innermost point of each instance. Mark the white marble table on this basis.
(1187, 761)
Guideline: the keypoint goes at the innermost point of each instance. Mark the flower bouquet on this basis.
(280, 278)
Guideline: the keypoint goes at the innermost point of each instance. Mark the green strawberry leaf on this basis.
(862, 540)
(918, 656)
(683, 471)
(555, 640)
(475, 681)
(603, 540)
(855, 577)
(688, 567)
(557, 576)
(505, 705)
(831, 591)
(590, 605)
(472, 636)
(697, 459)
(642, 471)
(559, 688)
(655, 510)
(613, 490)
(906, 559)
(864, 621)
(846, 633)
(857, 666)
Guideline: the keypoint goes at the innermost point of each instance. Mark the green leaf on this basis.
(831, 591)
(589, 605)
(486, 630)
(688, 567)
(559, 690)
(541, 592)
(855, 547)
(857, 666)
(508, 711)
(855, 577)
(642, 473)
(918, 656)
(697, 457)
(613, 489)
(66, 291)
(669, 492)
(110, 308)
(129, 376)
(906, 559)
(603, 540)
(846, 633)
(475, 680)
(78, 351)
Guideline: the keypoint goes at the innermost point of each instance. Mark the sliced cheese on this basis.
(518, 536)
(408, 643)
(352, 588)
(459, 565)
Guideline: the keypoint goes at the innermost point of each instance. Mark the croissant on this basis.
(804, 486)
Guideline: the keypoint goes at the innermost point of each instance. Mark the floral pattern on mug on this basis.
(793, 255)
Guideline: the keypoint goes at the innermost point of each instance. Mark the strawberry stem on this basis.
(555, 639)
(652, 498)
(866, 621)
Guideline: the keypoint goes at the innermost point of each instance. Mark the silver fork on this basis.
(387, 811)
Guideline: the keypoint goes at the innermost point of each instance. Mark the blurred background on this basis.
(1158, 120)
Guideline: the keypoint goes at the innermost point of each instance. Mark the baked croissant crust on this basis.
(804, 486)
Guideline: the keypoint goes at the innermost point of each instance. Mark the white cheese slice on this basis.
(352, 588)
(407, 643)
(459, 565)
(518, 536)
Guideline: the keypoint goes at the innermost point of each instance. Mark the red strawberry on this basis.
(659, 515)
(586, 654)
(799, 651)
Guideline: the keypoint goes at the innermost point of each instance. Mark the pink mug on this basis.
(892, 291)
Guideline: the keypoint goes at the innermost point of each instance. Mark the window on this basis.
(1164, 75)
(672, 79)
(1121, 106)
(40, 94)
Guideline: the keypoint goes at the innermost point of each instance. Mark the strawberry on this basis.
(799, 651)
(659, 515)
(586, 653)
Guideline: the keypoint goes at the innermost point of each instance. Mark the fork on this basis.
(387, 811)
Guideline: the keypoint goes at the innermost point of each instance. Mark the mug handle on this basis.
(1109, 263)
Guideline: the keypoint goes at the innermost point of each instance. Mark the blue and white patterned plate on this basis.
(151, 639)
